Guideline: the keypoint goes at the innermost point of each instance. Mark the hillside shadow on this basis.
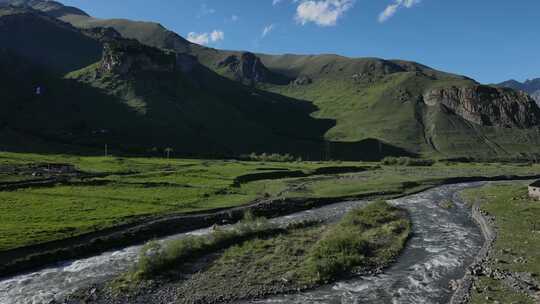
(180, 111)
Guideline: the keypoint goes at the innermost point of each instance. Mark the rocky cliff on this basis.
(531, 86)
(487, 106)
(249, 69)
(125, 56)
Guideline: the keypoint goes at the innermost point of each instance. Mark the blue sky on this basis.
(490, 41)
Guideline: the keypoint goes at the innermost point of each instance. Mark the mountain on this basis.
(166, 91)
(531, 86)
(151, 33)
(46, 40)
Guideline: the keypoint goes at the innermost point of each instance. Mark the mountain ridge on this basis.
(531, 86)
(315, 103)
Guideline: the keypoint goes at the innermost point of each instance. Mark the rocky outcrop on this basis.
(302, 80)
(127, 56)
(536, 97)
(487, 106)
(246, 68)
(531, 86)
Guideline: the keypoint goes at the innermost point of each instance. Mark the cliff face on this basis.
(247, 68)
(531, 86)
(487, 106)
(125, 56)
(536, 97)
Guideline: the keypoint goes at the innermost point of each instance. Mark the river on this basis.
(443, 244)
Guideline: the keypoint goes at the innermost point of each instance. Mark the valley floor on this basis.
(42, 201)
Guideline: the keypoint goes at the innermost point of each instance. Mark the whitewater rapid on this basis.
(443, 244)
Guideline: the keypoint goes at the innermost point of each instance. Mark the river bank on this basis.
(508, 265)
(443, 243)
(27, 258)
(463, 287)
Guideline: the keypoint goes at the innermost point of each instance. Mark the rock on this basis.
(302, 80)
(247, 68)
(126, 56)
(487, 106)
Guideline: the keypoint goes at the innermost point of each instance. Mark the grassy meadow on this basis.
(132, 189)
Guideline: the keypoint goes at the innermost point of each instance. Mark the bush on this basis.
(366, 236)
(406, 161)
(275, 157)
(157, 258)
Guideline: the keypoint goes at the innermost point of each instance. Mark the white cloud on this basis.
(322, 12)
(234, 18)
(392, 9)
(206, 38)
(276, 2)
(205, 10)
(267, 29)
(216, 36)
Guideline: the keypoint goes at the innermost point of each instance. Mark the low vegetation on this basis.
(406, 161)
(157, 258)
(517, 248)
(271, 157)
(366, 238)
(254, 258)
(134, 189)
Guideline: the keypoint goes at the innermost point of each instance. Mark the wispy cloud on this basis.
(322, 12)
(276, 2)
(234, 18)
(206, 38)
(205, 10)
(392, 9)
(267, 29)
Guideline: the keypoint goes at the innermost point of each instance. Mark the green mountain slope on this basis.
(314, 104)
(375, 98)
(46, 40)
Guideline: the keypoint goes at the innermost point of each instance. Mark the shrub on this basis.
(406, 161)
(274, 157)
(157, 258)
(365, 236)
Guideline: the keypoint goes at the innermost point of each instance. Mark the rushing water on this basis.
(444, 242)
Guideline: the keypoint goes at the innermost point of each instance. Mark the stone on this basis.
(246, 67)
(126, 56)
(487, 106)
(302, 81)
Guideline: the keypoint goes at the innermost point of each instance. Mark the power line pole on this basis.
(106, 150)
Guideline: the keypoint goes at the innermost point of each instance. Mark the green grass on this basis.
(518, 223)
(152, 187)
(158, 259)
(365, 238)
(147, 187)
(303, 255)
